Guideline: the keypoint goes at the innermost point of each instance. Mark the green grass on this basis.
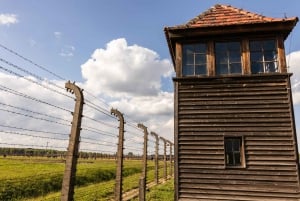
(33, 178)
(161, 192)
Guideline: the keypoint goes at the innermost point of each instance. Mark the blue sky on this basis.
(87, 25)
(117, 49)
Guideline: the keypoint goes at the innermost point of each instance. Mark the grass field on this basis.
(32, 178)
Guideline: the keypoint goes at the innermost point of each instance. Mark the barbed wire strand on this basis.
(33, 63)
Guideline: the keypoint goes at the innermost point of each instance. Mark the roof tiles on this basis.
(224, 15)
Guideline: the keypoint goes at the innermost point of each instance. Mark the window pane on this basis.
(221, 58)
(220, 47)
(233, 154)
(200, 48)
(228, 145)
(257, 67)
(228, 58)
(236, 144)
(194, 55)
(200, 59)
(200, 70)
(188, 49)
(235, 56)
(229, 159)
(271, 67)
(270, 56)
(235, 68)
(269, 45)
(237, 159)
(188, 59)
(256, 56)
(264, 58)
(233, 46)
(255, 46)
(188, 70)
(222, 69)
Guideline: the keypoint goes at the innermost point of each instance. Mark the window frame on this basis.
(228, 54)
(241, 153)
(194, 65)
(246, 63)
(263, 52)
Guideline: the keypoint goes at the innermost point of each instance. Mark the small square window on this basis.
(194, 59)
(228, 58)
(263, 56)
(234, 152)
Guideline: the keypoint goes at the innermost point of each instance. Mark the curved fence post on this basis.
(119, 179)
(156, 157)
(68, 183)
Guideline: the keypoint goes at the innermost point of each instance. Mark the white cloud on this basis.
(130, 75)
(136, 68)
(122, 70)
(32, 42)
(293, 61)
(57, 34)
(67, 51)
(7, 19)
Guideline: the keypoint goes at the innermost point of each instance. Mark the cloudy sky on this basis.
(115, 50)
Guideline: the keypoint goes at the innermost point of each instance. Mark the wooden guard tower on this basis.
(235, 135)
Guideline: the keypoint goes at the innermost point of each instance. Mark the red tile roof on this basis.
(224, 15)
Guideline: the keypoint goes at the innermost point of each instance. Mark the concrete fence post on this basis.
(171, 164)
(165, 157)
(120, 154)
(67, 191)
(143, 179)
(156, 157)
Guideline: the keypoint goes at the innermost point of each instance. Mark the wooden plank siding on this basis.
(256, 107)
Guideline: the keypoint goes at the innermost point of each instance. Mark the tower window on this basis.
(194, 59)
(228, 58)
(263, 56)
(234, 155)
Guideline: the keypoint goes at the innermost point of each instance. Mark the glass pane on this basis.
(270, 56)
(220, 47)
(256, 56)
(233, 46)
(237, 159)
(236, 144)
(255, 46)
(221, 58)
(188, 70)
(222, 69)
(235, 56)
(200, 70)
(269, 45)
(235, 68)
(187, 49)
(200, 59)
(256, 68)
(228, 145)
(200, 48)
(229, 159)
(270, 67)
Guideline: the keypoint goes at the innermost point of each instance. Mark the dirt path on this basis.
(135, 192)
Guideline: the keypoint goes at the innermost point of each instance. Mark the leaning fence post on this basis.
(68, 183)
(171, 165)
(119, 179)
(143, 179)
(156, 157)
(165, 157)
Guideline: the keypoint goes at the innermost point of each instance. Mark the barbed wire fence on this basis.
(35, 129)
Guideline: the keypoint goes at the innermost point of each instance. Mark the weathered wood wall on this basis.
(259, 108)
